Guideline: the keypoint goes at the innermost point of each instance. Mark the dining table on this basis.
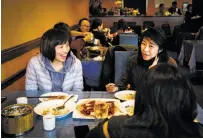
(64, 126)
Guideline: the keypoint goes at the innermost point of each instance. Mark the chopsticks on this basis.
(44, 97)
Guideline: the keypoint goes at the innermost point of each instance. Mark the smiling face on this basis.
(149, 49)
(62, 51)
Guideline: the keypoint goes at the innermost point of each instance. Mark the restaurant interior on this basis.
(102, 37)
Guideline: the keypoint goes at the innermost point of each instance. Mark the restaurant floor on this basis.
(196, 83)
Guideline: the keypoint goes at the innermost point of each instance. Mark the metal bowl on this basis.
(17, 124)
(95, 48)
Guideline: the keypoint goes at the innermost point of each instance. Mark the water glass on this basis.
(22, 100)
(49, 122)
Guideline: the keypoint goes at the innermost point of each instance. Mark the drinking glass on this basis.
(22, 100)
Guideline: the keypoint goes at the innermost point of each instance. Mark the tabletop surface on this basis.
(65, 126)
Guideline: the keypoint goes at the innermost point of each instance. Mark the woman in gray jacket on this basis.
(55, 68)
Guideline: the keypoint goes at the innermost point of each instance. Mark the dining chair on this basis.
(167, 29)
(128, 39)
(121, 61)
(107, 72)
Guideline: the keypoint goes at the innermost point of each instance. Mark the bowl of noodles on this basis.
(125, 95)
(49, 107)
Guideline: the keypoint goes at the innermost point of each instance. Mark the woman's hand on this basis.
(111, 88)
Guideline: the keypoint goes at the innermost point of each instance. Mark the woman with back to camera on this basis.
(165, 106)
(55, 68)
(122, 27)
(151, 51)
(97, 30)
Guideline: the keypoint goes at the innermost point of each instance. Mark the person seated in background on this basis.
(55, 68)
(174, 10)
(83, 28)
(161, 10)
(98, 32)
(165, 107)
(189, 14)
(152, 51)
(122, 27)
(75, 45)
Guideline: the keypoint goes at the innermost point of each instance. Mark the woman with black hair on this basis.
(97, 30)
(151, 51)
(55, 68)
(188, 13)
(122, 26)
(165, 106)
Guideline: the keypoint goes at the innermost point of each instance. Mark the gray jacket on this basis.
(38, 77)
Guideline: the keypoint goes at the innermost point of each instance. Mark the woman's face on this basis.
(149, 49)
(62, 52)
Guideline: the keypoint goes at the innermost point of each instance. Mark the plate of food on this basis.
(126, 95)
(49, 107)
(59, 96)
(127, 107)
(85, 108)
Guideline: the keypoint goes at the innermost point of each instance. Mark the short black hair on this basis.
(122, 24)
(50, 39)
(157, 35)
(188, 6)
(165, 102)
(96, 23)
(65, 27)
(80, 21)
(174, 3)
(161, 5)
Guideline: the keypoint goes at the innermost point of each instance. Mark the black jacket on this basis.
(100, 35)
(108, 71)
(188, 16)
(132, 75)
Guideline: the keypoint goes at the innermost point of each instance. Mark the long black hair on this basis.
(165, 104)
(158, 36)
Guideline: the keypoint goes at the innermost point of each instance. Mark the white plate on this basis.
(78, 115)
(127, 107)
(53, 104)
(122, 95)
(74, 99)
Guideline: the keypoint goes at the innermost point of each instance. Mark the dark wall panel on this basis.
(140, 4)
